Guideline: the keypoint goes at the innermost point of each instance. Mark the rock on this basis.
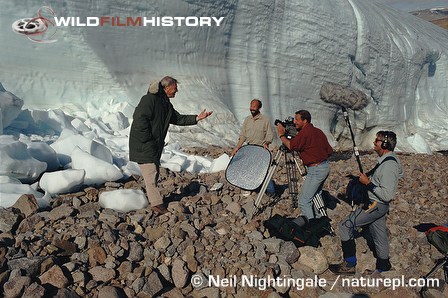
(290, 252)
(190, 259)
(234, 207)
(179, 272)
(175, 293)
(154, 233)
(124, 269)
(9, 220)
(27, 205)
(97, 255)
(55, 277)
(260, 253)
(30, 265)
(4, 276)
(88, 210)
(314, 259)
(100, 273)
(80, 241)
(137, 284)
(153, 285)
(78, 277)
(110, 292)
(30, 223)
(46, 264)
(68, 247)
(162, 243)
(165, 272)
(135, 252)
(209, 292)
(91, 194)
(16, 286)
(272, 244)
(34, 291)
(60, 212)
(66, 293)
(255, 236)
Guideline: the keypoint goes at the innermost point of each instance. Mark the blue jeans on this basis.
(312, 185)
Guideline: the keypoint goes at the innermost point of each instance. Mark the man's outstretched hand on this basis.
(204, 114)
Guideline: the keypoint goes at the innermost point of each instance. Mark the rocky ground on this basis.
(80, 249)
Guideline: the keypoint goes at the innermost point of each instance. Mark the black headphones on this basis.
(385, 143)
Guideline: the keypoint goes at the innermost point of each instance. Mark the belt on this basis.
(316, 163)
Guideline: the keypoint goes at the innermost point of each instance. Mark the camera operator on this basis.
(314, 149)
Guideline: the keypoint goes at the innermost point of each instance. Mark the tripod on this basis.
(292, 170)
(443, 262)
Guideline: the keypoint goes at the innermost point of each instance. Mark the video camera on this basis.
(290, 127)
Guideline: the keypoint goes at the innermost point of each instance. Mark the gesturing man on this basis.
(152, 117)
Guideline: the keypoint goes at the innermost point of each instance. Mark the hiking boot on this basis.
(343, 268)
(372, 273)
(159, 209)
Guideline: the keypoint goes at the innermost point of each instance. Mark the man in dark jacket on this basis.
(152, 117)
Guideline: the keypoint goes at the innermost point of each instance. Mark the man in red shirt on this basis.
(314, 149)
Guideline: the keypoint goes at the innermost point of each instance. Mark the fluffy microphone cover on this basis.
(344, 96)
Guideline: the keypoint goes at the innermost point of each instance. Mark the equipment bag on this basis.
(438, 236)
(309, 235)
(357, 192)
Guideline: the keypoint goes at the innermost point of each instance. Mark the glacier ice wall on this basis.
(278, 51)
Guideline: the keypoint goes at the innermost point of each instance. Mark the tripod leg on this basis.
(265, 184)
(291, 172)
(440, 263)
(319, 203)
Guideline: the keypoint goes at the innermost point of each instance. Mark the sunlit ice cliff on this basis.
(278, 51)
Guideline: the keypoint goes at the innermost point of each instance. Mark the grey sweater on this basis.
(385, 179)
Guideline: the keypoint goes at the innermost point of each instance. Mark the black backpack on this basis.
(357, 192)
(309, 235)
(438, 236)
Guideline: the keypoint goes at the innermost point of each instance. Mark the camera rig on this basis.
(290, 127)
(293, 170)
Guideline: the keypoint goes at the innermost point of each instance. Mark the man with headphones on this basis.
(382, 185)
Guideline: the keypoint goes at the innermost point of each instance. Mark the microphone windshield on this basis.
(343, 96)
